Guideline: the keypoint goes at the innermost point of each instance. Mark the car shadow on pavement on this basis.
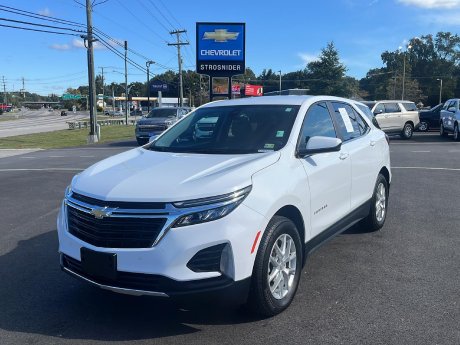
(38, 298)
(422, 137)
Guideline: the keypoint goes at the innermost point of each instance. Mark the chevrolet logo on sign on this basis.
(100, 213)
(220, 35)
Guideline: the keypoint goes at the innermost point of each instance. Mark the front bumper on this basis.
(162, 270)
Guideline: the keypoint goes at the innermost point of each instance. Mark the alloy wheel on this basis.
(380, 202)
(282, 266)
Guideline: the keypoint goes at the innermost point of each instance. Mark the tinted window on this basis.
(410, 106)
(350, 124)
(366, 111)
(379, 109)
(317, 122)
(392, 108)
(230, 130)
(163, 112)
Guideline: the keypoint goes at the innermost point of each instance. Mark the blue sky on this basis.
(280, 35)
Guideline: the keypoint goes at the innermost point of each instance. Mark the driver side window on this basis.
(317, 122)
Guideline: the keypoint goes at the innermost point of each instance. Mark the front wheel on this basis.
(442, 131)
(456, 133)
(379, 204)
(277, 268)
(407, 132)
(423, 126)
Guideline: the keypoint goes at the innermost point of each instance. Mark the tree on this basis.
(327, 74)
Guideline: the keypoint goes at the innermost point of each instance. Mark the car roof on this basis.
(276, 100)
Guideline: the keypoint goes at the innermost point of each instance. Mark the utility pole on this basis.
(92, 138)
(5, 99)
(147, 64)
(126, 82)
(23, 89)
(440, 90)
(103, 98)
(280, 81)
(178, 44)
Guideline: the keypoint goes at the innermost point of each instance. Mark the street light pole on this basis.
(404, 72)
(126, 82)
(440, 91)
(147, 64)
(280, 81)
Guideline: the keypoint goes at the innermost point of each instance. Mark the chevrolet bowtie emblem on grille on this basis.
(220, 35)
(100, 213)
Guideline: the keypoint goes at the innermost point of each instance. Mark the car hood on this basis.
(143, 175)
(155, 120)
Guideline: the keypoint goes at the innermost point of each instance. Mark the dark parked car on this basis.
(429, 119)
(63, 113)
(136, 112)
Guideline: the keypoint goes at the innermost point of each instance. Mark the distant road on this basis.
(36, 121)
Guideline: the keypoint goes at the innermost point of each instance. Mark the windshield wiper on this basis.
(223, 151)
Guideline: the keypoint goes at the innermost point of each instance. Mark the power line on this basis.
(169, 12)
(161, 14)
(40, 25)
(153, 15)
(37, 30)
(39, 16)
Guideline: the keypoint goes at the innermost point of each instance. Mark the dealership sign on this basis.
(158, 85)
(220, 49)
(254, 90)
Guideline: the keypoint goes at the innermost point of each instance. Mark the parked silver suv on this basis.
(157, 121)
(450, 119)
(396, 117)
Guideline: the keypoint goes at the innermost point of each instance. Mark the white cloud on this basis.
(307, 58)
(449, 19)
(431, 3)
(45, 12)
(57, 46)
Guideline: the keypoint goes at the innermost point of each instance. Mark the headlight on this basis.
(168, 123)
(68, 191)
(210, 209)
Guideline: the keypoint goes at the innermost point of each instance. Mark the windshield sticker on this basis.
(264, 151)
(269, 146)
(280, 134)
(288, 110)
(346, 120)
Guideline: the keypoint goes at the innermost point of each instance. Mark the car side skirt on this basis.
(345, 223)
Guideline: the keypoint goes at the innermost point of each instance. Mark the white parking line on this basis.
(27, 157)
(427, 168)
(56, 156)
(43, 169)
(87, 156)
(420, 151)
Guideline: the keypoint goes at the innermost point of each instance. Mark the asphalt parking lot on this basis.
(400, 285)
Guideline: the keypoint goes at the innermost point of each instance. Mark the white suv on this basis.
(396, 117)
(234, 211)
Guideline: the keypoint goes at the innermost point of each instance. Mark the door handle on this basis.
(343, 155)
(372, 143)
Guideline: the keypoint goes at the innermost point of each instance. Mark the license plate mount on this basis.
(99, 264)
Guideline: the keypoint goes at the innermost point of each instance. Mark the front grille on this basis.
(153, 127)
(207, 260)
(114, 232)
(149, 282)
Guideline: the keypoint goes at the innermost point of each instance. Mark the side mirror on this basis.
(320, 144)
(451, 109)
(377, 112)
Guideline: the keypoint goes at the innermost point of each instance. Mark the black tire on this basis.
(371, 222)
(141, 142)
(456, 133)
(423, 126)
(442, 131)
(407, 131)
(261, 300)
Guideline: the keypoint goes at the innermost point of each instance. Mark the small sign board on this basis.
(254, 90)
(69, 96)
(158, 85)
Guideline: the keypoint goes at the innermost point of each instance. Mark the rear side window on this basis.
(317, 122)
(379, 109)
(350, 124)
(366, 111)
(392, 108)
(410, 106)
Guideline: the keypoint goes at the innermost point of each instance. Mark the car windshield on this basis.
(162, 112)
(230, 130)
